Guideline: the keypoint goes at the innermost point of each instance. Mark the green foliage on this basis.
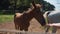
(4, 4)
(47, 6)
(6, 18)
(22, 5)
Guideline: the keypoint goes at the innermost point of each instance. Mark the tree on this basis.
(23, 5)
(46, 5)
(4, 4)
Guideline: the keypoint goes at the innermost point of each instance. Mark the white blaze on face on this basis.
(18, 14)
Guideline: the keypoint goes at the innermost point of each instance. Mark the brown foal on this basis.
(21, 21)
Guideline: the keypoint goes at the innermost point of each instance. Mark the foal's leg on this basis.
(21, 28)
(16, 27)
(25, 26)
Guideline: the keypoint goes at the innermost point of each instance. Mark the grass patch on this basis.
(6, 18)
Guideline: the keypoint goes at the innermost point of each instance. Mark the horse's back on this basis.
(54, 16)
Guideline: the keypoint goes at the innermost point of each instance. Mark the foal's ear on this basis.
(32, 6)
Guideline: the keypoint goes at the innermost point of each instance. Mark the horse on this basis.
(52, 17)
(21, 20)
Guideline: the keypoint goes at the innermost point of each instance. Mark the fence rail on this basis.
(7, 31)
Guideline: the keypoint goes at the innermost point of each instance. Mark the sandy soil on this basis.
(34, 26)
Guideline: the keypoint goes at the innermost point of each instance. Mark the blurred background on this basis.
(9, 7)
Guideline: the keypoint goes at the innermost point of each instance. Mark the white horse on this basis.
(52, 17)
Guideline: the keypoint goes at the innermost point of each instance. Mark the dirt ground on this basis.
(34, 26)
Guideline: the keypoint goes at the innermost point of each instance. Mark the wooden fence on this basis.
(7, 31)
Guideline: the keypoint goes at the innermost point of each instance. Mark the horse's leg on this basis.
(17, 26)
(16, 23)
(47, 29)
(26, 26)
(21, 28)
(54, 29)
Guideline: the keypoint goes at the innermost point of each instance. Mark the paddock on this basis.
(35, 28)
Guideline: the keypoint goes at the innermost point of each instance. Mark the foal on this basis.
(22, 20)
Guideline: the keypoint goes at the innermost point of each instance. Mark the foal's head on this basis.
(38, 13)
